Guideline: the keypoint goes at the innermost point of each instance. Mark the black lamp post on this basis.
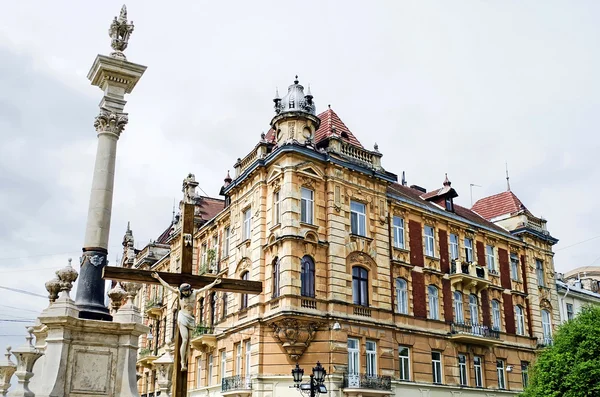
(317, 378)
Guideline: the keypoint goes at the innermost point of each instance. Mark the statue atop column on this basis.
(119, 32)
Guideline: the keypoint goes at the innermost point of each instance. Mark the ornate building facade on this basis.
(393, 289)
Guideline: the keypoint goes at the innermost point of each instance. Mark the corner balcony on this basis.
(469, 276)
(154, 308)
(145, 358)
(203, 338)
(355, 385)
(475, 334)
(238, 386)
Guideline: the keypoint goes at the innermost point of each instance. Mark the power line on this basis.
(50, 254)
(16, 321)
(23, 292)
(19, 308)
(580, 242)
(28, 270)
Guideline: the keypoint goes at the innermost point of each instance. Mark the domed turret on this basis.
(295, 100)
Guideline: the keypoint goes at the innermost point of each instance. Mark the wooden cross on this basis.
(176, 279)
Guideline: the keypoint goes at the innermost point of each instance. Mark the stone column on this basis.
(115, 76)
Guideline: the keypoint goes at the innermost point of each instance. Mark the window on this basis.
(453, 246)
(248, 357)
(468, 250)
(358, 218)
(247, 224)
(215, 245)
(371, 358)
(462, 369)
(398, 228)
(404, 354)
(224, 310)
(213, 307)
(238, 360)
(203, 250)
(201, 310)
(459, 316)
(491, 258)
(449, 206)
(436, 366)
(514, 266)
(210, 370)
(244, 297)
(307, 204)
(353, 357)
(520, 319)
(429, 241)
(401, 296)
(474, 309)
(525, 373)
(478, 371)
(223, 366)
(360, 291)
(569, 311)
(275, 278)
(546, 327)
(198, 371)
(434, 312)
(276, 210)
(501, 374)
(539, 269)
(495, 315)
(226, 242)
(307, 277)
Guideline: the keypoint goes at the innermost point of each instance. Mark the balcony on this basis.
(470, 276)
(154, 308)
(236, 386)
(366, 385)
(146, 358)
(475, 334)
(203, 338)
(544, 341)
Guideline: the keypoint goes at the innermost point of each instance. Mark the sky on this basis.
(461, 87)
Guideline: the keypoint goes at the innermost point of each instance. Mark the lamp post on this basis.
(315, 385)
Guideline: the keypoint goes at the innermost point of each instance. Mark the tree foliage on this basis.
(571, 367)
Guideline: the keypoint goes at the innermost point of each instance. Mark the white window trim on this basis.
(434, 303)
(429, 241)
(361, 218)
(491, 257)
(209, 374)
(501, 372)
(248, 358)
(402, 297)
(454, 247)
(463, 370)
(223, 369)
(520, 319)
(496, 316)
(404, 360)
(434, 367)
(469, 250)
(478, 369)
(309, 215)
(459, 312)
(276, 209)
(371, 356)
(247, 230)
(354, 356)
(398, 232)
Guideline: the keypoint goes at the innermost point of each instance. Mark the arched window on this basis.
(459, 315)
(434, 302)
(276, 278)
(495, 315)
(307, 276)
(244, 299)
(401, 296)
(360, 286)
(520, 320)
(546, 327)
(474, 309)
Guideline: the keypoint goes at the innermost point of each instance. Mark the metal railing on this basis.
(544, 341)
(202, 329)
(365, 381)
(474, 329)
(236, 382)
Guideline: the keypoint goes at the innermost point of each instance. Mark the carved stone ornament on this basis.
(110, 122)
(120, 31)
(187, 239)
(67, 276)
(294, 336)
(307, 181)
(53, 288)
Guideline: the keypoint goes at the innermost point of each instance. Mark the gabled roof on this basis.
(330, 121)
(209, 207)
(504, 203)
(164, 236)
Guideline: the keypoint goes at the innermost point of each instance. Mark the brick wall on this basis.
(444, 255)
(416, 243)
(418, 291)
(504, 268)
(509, 313)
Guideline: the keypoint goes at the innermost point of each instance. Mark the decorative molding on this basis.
(294, 336)
(110, 122)
(427, 220)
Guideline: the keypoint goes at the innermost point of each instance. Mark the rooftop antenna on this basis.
(507, 177)
(173, 218)
(471, 191)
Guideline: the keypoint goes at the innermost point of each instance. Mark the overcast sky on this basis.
(442, 86)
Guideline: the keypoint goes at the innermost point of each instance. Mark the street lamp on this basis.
(317, 378)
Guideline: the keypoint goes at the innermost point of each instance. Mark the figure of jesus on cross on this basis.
(185, 317)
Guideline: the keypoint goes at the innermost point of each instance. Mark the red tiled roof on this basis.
(209, 207)
(330, 119)
(462, 212)
(164, 236)
(499, 204)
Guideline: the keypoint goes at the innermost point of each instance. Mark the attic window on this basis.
(292, 103)
(449, 204)
(344, 135)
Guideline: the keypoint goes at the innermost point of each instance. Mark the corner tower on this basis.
(295, 118)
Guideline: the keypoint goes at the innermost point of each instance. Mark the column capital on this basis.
(110, 122)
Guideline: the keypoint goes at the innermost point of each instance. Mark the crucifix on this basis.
(183, 281)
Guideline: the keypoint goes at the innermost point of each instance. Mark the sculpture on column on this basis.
(7, 369)
(185, 317)
(119, 32)
(26, 356)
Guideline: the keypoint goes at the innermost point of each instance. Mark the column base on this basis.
(90, 285)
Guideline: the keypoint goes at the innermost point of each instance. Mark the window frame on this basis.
(463, 374)
(307, 277)
(454, 249)
(358, 220)
(223, 365)
(238, 359)
(226, 237)
(199, 371)
(520, 320)
(353, 356)
(468, 249)
(458, 307)
(433, 300)
(490, 257)
(501, 373)
(404, 363)
(401, 296)
(436, 368)
(244, 297)
(307, 206)
(276, 275)
(514, 266)
(429, 240)
(474, 309)
(371, 358)
(525, 374)
(539, 271)
(398, 232)
(247, 224)
(276, 209)
(570, 313)
(496, 315)
(478, 371)
(247, 359)
(360, 286)
(546, 324)
(209, 369)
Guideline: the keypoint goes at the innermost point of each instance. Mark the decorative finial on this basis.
(507, 177)
(53, 288)
(403, 179)
(119, 32)
(67, 275)
(376, 147)
(262, 136)
(308, 93)
(276, 92)
(228, 179)
(116, 295)
(29, 337)
(329, 106)
(447, 181)
(296, 81)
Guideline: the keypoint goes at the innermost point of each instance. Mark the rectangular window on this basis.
(358, 218)
(198, 371)
(204, 254)
(238, 359)
(226, 234)
(276, 211)
(436, 366)
(223, 366)
(210, 370)
(453, 246)
(569, 311)
(404, 354)
(353, 357)
(398, 227)
(468, 250)
(307, 204)
(462, 369)
(247, 224)
(215, 243)
(501, 374)
(514, 266)
(429, 241)
(491, 258)
(525, 373)
(478, 371)
(248, 357)
(371, 358)
(539, 269)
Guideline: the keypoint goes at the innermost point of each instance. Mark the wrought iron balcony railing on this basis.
(474, 329)
(544, 341)
(365, 381)
(236, 382)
